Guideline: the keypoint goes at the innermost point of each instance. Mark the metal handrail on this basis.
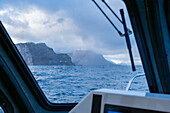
(131, 80)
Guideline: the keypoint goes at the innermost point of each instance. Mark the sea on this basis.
(70, 84)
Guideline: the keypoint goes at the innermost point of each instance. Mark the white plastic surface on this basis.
(132, 99)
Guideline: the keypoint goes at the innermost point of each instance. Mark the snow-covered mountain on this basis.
(88, 58)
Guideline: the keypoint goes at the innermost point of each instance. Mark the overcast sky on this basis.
(68, 25)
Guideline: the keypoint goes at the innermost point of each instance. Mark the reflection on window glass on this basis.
(1, 110)
(70, 47)
(114, 112)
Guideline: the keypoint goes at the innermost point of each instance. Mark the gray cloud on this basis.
(65, 25)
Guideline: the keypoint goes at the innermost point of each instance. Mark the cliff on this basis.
(41, 54)
(88, 58)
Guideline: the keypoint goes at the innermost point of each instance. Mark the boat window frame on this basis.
(25, 73)
(33, 86)
(150, 41)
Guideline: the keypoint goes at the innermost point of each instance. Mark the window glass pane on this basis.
(71, 48)
(1, 110)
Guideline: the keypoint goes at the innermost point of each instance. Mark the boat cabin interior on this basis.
(150, 19)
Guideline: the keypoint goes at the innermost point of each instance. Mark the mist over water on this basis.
(69, 84)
